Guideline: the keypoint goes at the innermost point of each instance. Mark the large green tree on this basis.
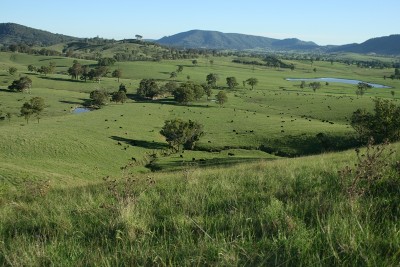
(148, 88)
(99, 98)
(184, 93)
(180, 133)
(212, 79)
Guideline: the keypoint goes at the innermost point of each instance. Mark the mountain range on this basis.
(11, 33)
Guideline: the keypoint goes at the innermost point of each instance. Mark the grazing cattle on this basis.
(119, 143)
(231, 154)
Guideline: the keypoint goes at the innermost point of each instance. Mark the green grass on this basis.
(284, 212)
(232, 201)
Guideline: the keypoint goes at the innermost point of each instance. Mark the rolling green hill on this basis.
(12, 33)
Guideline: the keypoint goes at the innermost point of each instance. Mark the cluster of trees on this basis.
(34, 106)
(383, 123)
(21, 85)
(84, 72)
(99, 97)
(24, 48)
(49, 69)
(396, 74)
(270, 61)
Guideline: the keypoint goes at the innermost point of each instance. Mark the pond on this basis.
(81, 110)
(335, 80)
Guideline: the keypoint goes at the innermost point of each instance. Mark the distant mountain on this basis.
(11, 33)
(387, 45)
(219, 40)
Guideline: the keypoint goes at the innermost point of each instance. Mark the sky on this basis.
(325, 22)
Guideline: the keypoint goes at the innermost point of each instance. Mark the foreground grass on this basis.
(278, 213)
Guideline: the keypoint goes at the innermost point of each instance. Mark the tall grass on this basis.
(280, 213)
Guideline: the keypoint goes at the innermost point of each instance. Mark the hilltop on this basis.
(386, 45)
(12, 33)
(219, 40)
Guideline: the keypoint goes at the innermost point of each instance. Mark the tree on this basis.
(99, 98)
(302, 84)
(180, 69)
(252, 82)
(12, 70)
(221, 98)
(85, 73)
(231, 82)
(383, 124)
(194, 62)
(198, 91)
(75, 71)
(119, 97)
(361, 88)
(315, 85)
(212, 79)
(117, 74)
(392, 93)
(34, 106)
(173, 75)
(315, 69)
(122, 87)
(148, 88)
(170, 87)
(184, 93)
(20, 85)
(44, 70)
(138, 37)
(180, 133)
(31, 68)
(106, 61)
(207, 90)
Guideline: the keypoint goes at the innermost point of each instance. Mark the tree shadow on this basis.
(202, 162)
(53, 58)
(73, 102)
(61, 79)
(140, 143)
(166, 101)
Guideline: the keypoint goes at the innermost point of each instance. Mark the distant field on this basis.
(277, 117)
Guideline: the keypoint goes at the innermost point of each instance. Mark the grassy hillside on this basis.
(286, 212)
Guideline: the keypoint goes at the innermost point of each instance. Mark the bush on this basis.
(384, 124)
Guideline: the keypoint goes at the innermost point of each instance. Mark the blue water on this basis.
(81, 110)
(336, 80)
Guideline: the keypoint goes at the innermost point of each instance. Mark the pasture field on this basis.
(77, 189)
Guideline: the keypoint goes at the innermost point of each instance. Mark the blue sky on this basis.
(322, 21)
